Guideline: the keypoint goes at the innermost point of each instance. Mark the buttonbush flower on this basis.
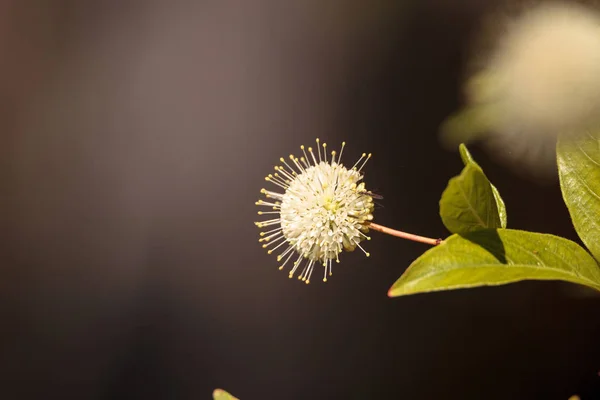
(539, 82)
(319, 208)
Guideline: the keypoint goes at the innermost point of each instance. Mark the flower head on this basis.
(324, 209)
(547, 70)
(539, 81)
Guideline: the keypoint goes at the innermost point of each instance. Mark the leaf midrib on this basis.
(580, 278)
(464, 195)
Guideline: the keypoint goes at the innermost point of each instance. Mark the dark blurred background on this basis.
(135, 136)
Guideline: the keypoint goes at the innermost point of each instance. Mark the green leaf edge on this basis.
(560, 160)
(220, 394)
(393, 291)
(458, 225)
(468, 159)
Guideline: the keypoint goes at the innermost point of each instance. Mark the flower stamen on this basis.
(359, 160)
(277, 180)
(310, 150)
(304, 152)
(319, 149)
(364, 163)
(363, 250)
(286, 261)
(271, 231)
(289, 249)
(295, 160)
(341, 151)
(307, 165)
(296, 264)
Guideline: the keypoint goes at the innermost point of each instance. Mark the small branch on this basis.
(404, 235)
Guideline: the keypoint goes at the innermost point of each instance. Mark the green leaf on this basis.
(220, 394)
(469, 202)
(497, 257)
(579, 172)
(468, 159)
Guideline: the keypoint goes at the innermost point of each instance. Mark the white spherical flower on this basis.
(541, 81)
(547, 70)
(323, 210)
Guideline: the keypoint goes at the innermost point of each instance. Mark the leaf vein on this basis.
(559, 271)
(473, 211)
(580, 179)
(587, 155)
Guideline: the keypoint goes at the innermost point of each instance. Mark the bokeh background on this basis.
(135, 136)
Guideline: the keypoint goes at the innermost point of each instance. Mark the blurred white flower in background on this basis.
(541, 81)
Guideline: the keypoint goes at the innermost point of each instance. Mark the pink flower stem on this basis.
(404, 235)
